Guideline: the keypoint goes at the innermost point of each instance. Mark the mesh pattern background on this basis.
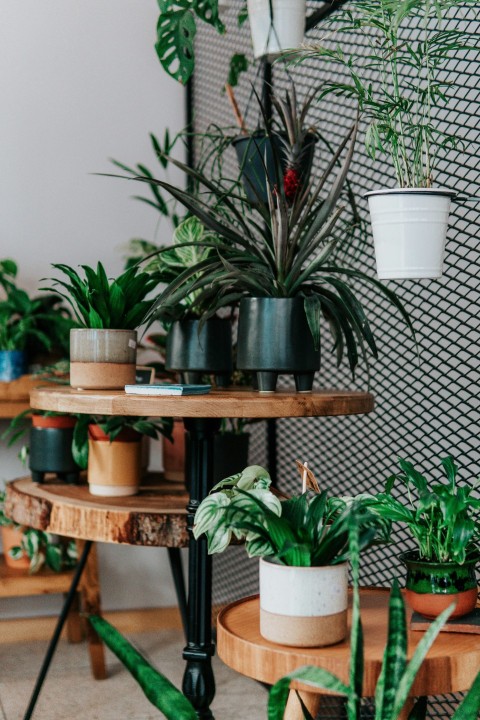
(425, 407)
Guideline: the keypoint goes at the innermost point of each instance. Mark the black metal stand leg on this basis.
(198, 680)
(56, 635)
(175, 560)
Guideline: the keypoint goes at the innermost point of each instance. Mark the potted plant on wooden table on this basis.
(409, 222)
(303, 543)
(109, 448)
(285, 264)
(443, 518)
(103, 351)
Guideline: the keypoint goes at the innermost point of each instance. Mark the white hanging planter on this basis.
(303, 606)
(272, 35)
(409, 231)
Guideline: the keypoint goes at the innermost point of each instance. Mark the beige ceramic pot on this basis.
(114, 468)
(102, 359)
(11, 537)
(303, 606)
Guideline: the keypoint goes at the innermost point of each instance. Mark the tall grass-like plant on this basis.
(400, 83)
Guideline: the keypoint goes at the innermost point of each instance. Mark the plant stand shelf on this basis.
(201, 415)
(450, 666)
(18, 583)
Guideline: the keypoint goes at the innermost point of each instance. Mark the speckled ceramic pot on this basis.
(102, 359)
(303, 606)
(431, 587)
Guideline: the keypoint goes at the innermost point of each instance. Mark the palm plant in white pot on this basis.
(401, 107)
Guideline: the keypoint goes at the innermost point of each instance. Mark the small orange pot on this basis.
(114, 468)
(11, 537)
(61, 422)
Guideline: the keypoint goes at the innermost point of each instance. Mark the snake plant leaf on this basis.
(157, 688)
(395, 657)
(469, 708)
(176, 31)
(356, 635)
(313, 676)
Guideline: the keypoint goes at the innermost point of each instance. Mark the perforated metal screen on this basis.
(425, 407)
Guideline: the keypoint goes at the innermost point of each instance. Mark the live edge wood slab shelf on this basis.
(201, 415)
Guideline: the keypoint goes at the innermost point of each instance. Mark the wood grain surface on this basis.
(217, 404)
(450, 666)
(155, 517)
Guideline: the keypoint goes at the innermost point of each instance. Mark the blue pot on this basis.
(13, 364)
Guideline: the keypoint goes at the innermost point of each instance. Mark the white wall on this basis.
(80, 83)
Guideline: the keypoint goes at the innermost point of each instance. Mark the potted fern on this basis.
(103, 350)
(409, 222)
(302, 543)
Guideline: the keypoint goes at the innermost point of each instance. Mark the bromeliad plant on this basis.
(282, 249)
(443, 518)
(401, 106)
(100, 303)
(302, 531)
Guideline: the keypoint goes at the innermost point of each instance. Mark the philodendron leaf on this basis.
(175, 38)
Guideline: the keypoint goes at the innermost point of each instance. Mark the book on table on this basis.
(167, 389)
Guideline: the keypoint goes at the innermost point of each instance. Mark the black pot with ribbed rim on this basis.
(194, 354)
(51, 450)
(256, 159)
(274, 338)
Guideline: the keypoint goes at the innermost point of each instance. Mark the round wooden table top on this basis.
(156, 517)
(235, 403)
(451, 665)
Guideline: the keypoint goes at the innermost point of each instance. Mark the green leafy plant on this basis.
(176, 29)
(41, 548)
(36, 323)
(401, 104)
(443, 518)
(118, 304)
(303, 530)
(113, 426)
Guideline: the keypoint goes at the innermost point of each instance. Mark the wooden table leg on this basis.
(90, 588)
(75, 633)
(294, 711)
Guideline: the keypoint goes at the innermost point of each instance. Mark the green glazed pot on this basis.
(433, 586)
(194, 354)
(273, 338)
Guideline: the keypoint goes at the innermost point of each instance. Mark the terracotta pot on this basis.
(303, 606)
(11, 537)
(53, 421)
(431, 586)
(102, 359)
(51, 448)
(114, 468)
(174, 454)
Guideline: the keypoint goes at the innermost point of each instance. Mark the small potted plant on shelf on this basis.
(409, 222)
(444, 521)
(30, 549)
(26, 323)
(303, 545)
(110, 449)
(284, 264)
(103, 351)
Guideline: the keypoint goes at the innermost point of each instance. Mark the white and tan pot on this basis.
(303, 606)
(102, 359)
(409, 231)
(279, 31)
(114, 468)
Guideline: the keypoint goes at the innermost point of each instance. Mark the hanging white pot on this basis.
(303, 606)
(409, 231)
(276, 25)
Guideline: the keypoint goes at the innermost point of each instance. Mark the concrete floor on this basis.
(70, 693)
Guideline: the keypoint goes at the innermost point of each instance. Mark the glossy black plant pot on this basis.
(256, 159)
(230, 454)
(274, 338)
(195, 354)
(51, 452)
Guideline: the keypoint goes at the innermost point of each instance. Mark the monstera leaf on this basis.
(176, 30)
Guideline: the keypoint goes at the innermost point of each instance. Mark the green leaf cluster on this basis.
(400, 105)
(302, 531)
(119, 304)
(113, 426)
(443, 518)
(32, 324)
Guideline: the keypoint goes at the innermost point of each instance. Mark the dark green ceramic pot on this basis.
(256, 159)
(195, 354)
(51, 449)
(274, 338)
(230, 454)
(433, 586)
